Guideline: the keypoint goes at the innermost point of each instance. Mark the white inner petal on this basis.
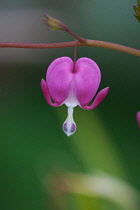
(69, 126)
(71, 101)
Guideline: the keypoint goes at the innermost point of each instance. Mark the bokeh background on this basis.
(35, 155)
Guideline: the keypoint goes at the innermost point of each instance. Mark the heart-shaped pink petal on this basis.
(86, 80)
(59, 78)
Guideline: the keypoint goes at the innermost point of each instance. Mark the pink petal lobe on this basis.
(87, 79)
(59, 78)
(46, 93)
(138, 119)
(98, 99)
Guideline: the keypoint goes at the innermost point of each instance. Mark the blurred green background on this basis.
(33, 147)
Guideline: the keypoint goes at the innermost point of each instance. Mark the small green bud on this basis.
(53, 24)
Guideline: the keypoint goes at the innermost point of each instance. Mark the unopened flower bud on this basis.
(53, 24)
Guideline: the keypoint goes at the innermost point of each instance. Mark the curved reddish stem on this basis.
(92, 43)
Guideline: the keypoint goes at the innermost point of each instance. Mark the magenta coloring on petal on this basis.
(59, 78)
(86, 80)
(138, 119)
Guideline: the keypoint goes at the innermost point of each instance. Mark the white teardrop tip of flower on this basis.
(69, 127)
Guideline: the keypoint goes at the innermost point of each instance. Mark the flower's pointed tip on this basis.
(44, 85)
(69, 128)
(138, 118)
(103, 93)
(42, 81)
(105, 90)
(68, 134)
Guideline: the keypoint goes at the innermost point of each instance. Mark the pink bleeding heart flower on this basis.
(138, 119)
(73, 84)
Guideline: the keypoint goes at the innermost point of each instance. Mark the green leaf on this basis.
(138, 1)
(137, 17)
(139, 5)
(136, 10)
